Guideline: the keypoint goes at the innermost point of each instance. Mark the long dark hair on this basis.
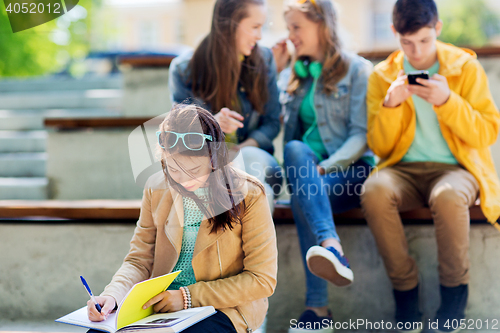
(336, 63)
(216, 68)
(224, 204)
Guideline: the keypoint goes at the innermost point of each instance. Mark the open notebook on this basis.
(164, 322)
(131, 317)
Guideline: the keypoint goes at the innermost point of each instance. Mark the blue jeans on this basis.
(314, 198)
(262, 165)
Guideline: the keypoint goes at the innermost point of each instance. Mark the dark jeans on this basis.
(218, 322)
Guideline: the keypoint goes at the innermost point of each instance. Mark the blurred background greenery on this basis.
(47, 48)
(62, 45)
(468, 22)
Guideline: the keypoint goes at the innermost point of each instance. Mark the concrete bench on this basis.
(44, 256)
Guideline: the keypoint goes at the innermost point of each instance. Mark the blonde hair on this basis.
(336, 63)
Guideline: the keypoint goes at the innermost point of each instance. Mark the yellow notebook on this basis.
(130, 310)
(131, 316)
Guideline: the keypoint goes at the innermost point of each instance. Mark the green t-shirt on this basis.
(311, 136)
(428, 144)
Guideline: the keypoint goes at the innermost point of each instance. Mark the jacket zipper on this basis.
(249, 330)
(220, 263)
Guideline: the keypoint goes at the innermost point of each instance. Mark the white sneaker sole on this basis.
(324, 264)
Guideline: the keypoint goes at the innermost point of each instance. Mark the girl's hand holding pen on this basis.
(107, 304)
(167, 301)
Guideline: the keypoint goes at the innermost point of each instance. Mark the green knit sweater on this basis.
(192, 221)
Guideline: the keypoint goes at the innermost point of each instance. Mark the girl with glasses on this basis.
(234, 78)
(206, 218)
(326, 156)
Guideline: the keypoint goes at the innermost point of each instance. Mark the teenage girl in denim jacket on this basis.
(235, 79)
(326, 156)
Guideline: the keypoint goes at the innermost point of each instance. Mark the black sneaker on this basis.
(452, 309)
(408, 316)
(310, 322)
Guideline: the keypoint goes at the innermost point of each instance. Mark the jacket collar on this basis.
(175, 226)
(451, 61)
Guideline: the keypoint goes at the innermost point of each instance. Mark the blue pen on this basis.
(97, 305)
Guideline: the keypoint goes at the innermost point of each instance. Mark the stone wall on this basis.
(41, 264)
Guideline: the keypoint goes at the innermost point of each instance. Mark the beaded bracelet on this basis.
(187, 297)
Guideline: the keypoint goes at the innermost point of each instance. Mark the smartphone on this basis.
(412, 76)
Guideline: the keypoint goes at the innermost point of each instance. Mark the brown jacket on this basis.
(235, 269)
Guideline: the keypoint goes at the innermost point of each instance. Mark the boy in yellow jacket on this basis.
(433, 140)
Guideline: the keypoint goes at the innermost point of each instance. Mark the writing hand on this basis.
(435, 90)
(107, 304)
(398, 92)
(229, 121)
(166, 301)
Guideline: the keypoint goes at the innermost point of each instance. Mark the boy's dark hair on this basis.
(409, 16)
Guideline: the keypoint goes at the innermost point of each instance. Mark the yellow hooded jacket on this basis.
(469, 120)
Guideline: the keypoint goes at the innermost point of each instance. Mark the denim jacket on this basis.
(341, 115)
(262, 128)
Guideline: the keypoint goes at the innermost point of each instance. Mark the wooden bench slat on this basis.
(79, 123)
(284, 212)
(130, 209)
(78, 209)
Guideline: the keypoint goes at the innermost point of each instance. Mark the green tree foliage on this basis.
(46, 48)
(468, 22)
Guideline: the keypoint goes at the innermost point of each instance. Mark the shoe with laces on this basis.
(329, 264)
(310, 322)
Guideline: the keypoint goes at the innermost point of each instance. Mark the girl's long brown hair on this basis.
(224, 204)
(336, 63)
(216, 68)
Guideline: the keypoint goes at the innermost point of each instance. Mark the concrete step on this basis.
(23, 141)
(12, 121)
(81, 113)
(24, 188)
(64, 113)
(93, 98)
(23, 164)
(61, 83)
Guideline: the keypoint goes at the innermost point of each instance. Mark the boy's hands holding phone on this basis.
(228, 120)
(166, 301)
(435, 90)
(398, 91)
